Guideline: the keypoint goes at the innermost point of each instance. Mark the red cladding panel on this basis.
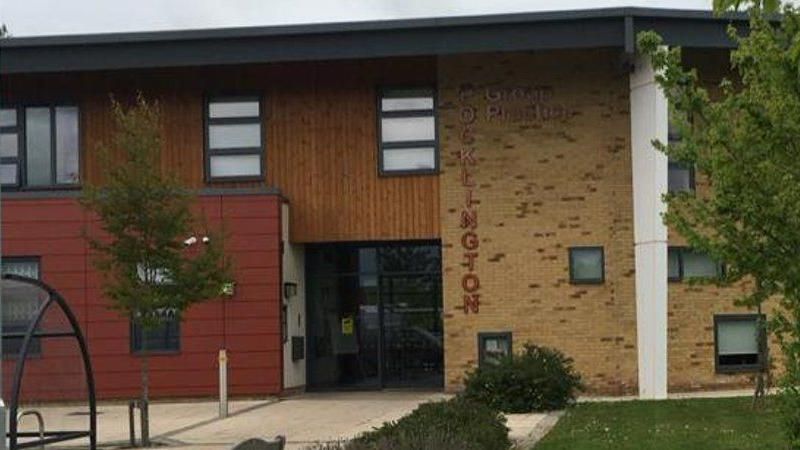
(248, 323)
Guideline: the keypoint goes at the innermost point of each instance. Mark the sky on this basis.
(49, 17)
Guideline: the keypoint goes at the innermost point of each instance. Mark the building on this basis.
(404, 200)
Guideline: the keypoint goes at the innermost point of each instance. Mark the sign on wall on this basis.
(493, 104)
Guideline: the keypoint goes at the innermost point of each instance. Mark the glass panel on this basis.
(67, 145)
(413, 338)
(408, 103)
(234, 136)
(409, 159)
(698, 265)
(398, 129)
(673, 264)
(368, 267)
(343, 332)
(8, 174)
(37, 146)
(9, 145)
(233, 109)
(495, 348)
(162, 337)
(737, 337)
(679, 178)
(8, 117)
(21, 303)
(235, 165)
(587, 264)
(23, 268)
(411, 258)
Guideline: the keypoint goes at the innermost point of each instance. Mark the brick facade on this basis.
(551, 170)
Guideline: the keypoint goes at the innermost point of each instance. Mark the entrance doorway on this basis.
(374, 315)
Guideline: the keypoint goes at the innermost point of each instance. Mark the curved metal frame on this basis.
(52, 436)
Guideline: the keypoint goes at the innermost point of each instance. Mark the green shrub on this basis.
(456, 424)
(789, 402)
(538, 379)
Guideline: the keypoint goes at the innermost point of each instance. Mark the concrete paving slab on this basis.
(304, 419)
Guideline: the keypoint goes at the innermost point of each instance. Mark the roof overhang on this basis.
(611, 27)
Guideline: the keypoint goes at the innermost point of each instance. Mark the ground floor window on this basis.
(738, 342)
(493, 346)
(374, 315)
(19, 309)
(164, 337)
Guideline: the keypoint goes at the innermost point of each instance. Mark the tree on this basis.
(745, 143)
(149, 272)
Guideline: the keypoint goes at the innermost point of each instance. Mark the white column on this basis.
(649, 121)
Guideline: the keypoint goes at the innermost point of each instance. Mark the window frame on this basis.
(208, 152)
(134, 328)
(483, 336)
(22, 148)
(598, 281)
(683, 166)
(382, 92)
(681, 249)
(35, 350)
(762, 344)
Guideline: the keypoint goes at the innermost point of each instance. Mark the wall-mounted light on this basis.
(289, 290)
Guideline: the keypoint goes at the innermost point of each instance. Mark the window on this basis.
(39, 146)
(586, 265)
(739, 342)
(680, 176)
(234, 138)
(407, 131)
(19, 310)
(492, 347)
(683, 263)
(164, 337)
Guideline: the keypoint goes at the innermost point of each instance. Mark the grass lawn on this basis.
(707, 424)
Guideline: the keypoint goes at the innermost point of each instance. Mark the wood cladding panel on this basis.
(320, 124)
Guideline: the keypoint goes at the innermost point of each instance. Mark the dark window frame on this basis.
(762, 344)
(208, 152)
(21, 159)
(681, 166)
(484, 336)
(602, 278)
(137, 337)
(394, 92)
(681, 250)
(35, 350)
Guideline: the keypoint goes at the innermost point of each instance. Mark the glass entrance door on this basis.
(374, 316)
(412, 330)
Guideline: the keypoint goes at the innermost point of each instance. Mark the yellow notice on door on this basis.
(347, 326)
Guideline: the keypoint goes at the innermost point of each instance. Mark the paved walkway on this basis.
(304, 419)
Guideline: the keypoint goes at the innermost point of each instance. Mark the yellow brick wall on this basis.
(692, 307)
(542, 185)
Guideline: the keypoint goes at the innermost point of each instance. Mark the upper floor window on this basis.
(680, 176)
(407, 130)
(39, 146)
(234, 138)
